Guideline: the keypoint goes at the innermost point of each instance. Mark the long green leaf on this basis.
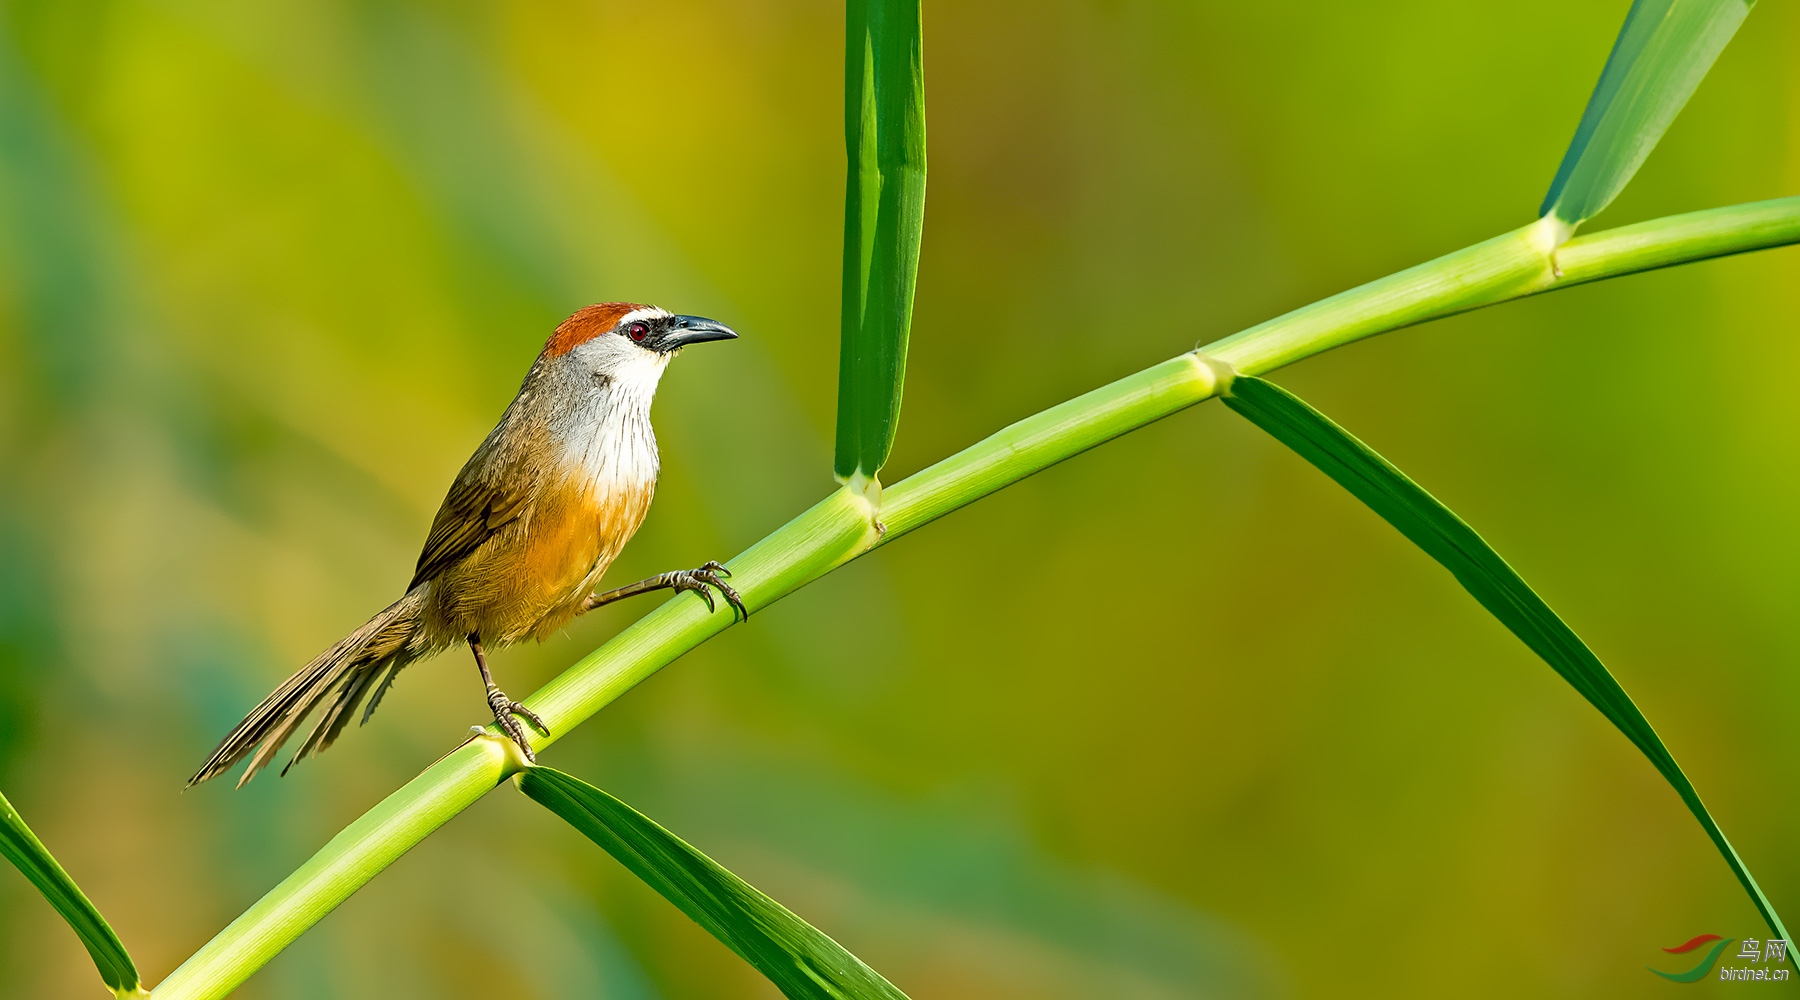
(884, 213)
(1445, 537)
(1664, 50)
(28, 854)
(796, 956)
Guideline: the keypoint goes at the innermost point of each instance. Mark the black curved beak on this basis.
(685, 330)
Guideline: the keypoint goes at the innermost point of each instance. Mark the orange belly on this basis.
(531, 578)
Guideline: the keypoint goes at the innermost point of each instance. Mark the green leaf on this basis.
(1660, 57)
(796, 956)
(27, 853)
(884, 213)
(1445, 537)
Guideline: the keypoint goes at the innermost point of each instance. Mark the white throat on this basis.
(614, 446)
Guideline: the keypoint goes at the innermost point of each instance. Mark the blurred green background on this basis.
(1175, 719)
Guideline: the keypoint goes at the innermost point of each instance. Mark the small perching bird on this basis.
(530, 525)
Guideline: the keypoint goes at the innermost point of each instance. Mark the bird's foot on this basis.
(712, 574)
(507, 713)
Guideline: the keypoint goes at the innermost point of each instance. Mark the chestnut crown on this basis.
(649, 328)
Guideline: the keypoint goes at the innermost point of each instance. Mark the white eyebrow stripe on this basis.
(647, 312)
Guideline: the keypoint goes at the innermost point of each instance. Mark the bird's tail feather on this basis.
(384, 642)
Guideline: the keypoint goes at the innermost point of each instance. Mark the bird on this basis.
(527, 529)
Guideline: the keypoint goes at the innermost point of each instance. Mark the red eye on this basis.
(639, 330)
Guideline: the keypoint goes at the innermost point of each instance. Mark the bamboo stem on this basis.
(844, 526)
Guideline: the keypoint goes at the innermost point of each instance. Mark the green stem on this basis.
(1507, 267)
(1680, 239)
(843, 526)
(345, 864)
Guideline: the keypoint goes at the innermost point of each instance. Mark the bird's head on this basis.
(628, 343)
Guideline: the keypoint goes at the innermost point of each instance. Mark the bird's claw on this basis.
(507, 713)
(712, 574)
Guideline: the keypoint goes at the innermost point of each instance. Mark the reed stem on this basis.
(844, 525)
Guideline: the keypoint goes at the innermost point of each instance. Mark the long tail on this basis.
(351, 666)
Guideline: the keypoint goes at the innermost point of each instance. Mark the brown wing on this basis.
(489, 493)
